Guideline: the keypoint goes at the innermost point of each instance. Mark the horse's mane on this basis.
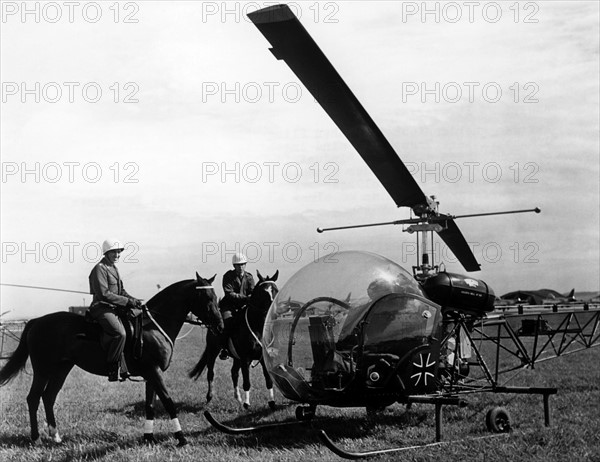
(166, 293)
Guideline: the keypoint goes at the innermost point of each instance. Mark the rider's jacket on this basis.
(236, 289)
(106, 284)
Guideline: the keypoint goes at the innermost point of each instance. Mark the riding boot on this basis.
(113, 372)
(124, 371)
(225, 353)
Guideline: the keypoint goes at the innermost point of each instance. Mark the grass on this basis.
(103, 421)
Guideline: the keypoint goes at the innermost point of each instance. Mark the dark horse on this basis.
(247, 332)
(56, 342)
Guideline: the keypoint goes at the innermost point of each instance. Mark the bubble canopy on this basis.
(323, 304)
(345, 276)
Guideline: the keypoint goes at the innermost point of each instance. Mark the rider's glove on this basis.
(134, 303)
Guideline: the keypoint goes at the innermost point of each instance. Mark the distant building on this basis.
(78, 310)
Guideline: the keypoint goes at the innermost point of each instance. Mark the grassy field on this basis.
(102, 421)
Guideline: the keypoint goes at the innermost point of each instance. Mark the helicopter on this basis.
(355, 329)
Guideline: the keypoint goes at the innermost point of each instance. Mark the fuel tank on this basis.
(461, 293)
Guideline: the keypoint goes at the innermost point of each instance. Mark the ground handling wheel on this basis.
(497, 420)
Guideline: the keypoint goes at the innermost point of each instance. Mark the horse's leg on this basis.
(210, 373)
(154, 377)
(33, 401)
(235, 375)
(149, 407)
(269, 384)
(246, 382)
(207, 360)
(55, 384)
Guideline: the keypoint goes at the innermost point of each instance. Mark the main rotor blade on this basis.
(455, 240)
(293, 44)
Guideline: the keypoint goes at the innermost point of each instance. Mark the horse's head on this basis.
(205, 305)
(264, 292)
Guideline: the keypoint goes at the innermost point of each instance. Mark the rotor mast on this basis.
(427, 265)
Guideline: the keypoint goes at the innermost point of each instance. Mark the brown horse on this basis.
(58, 341)
(245, 340)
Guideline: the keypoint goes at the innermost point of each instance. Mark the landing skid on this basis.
(240, 431)
(325, 438)
(362, 455)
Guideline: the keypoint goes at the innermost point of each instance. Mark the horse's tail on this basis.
(196, 372)
(18, 359)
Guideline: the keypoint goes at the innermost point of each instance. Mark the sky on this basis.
(170, 126)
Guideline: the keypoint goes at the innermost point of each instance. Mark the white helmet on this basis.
(111, 244)
(239, 259)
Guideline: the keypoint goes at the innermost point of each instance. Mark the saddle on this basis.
(237, 322)
(133, 322)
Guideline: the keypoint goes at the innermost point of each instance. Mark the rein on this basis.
(149, 312)
(202, 324)
(246, 309)
(250, 329)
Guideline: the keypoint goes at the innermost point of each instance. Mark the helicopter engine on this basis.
(459, 293)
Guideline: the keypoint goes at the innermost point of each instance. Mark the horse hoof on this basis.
(182, 442)
(272, 405)
(149, 439)
(53, 435)
(246, 406)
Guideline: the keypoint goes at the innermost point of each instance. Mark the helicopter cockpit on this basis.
(349, 321)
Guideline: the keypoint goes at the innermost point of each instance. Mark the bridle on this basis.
(201, 323)
(271, 285)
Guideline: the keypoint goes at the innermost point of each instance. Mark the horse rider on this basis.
(110, 297)
(238, 286)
